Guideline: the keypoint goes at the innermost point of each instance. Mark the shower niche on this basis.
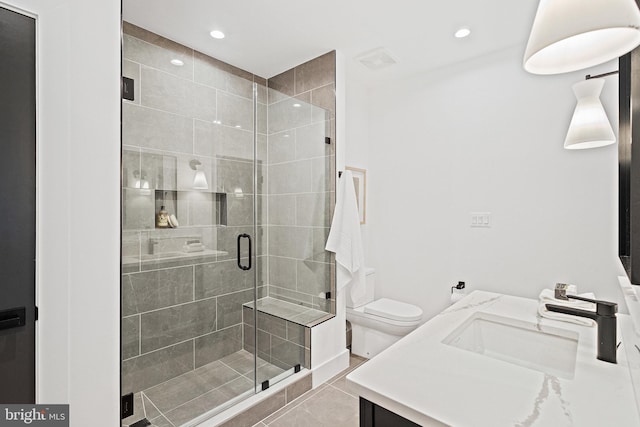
(151, 181)
(154, 182)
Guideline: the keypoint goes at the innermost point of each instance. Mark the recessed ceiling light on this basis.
(462, 33)
(297, 105)
(177, 62)
(217, 34)
(238, 126)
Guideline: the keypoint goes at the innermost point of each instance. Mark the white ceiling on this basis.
(267, 37)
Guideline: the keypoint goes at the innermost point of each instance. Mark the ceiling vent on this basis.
(376, 59)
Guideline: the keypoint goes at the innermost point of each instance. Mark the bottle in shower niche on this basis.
(162, 218)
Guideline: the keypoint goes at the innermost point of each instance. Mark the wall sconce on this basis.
(590, 127)
(199, 179)
(141, 182)
(570, 35)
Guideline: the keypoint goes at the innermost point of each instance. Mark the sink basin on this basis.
(529, 345)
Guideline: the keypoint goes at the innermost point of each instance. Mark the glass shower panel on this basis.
(297, 203)
(301, 199)
(193, 188)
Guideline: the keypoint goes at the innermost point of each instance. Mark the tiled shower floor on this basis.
(190, 395)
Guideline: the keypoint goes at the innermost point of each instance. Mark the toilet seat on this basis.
(394, 310)
(375, 326)
(386, 315)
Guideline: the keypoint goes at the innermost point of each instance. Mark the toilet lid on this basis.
(394, 310)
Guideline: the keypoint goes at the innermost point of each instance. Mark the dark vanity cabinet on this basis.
(372, 415)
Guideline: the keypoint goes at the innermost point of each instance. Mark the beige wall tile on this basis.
(282, 85)
(152, 290)
(313, 277)
(150, 55)
(153, 368)
(282, 272)
(235, 111)
(325, 97)
(175, 324)
(130, 337)
(312, 209)
(310, 141)
(169, 93)
(217, 345)
(282, 209)
(221, 278)
(282, 146)
(154, 129)
(291, 242)
(229, 309)
(292, 177)
(288, 114)
(318, 72)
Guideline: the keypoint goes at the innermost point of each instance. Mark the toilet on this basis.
(376, 324)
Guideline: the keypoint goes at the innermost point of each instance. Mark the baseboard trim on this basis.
(330, 368)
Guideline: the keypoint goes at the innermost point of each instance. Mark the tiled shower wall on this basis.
(182, 313)
(281, 342)
(301, 188)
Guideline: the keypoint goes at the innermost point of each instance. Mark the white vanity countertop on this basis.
(432, 383)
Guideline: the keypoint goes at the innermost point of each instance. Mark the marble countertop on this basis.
(432, 383)
(630, 331)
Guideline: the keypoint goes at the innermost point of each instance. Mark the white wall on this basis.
(329, 355)
(78, 214)
(357, 140)
(484, 135)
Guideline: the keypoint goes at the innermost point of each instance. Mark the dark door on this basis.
(17, 207)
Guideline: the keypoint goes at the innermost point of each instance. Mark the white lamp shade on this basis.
(570, 35)
(200, 181)
(589, 126)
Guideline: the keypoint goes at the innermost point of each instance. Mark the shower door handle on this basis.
(244, 267)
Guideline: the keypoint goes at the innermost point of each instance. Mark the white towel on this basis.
(547, 297)
(345, 238)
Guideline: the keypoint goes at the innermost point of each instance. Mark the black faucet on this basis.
(605, 317)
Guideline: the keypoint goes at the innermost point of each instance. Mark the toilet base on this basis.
(367, 342)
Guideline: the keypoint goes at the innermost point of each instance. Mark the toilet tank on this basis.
(370, 285)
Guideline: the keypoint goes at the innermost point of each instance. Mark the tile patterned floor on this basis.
(311, 409)
(183, 398)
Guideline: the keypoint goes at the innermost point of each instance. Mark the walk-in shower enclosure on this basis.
(228, 187)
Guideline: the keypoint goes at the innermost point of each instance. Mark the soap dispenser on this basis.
(162, 218)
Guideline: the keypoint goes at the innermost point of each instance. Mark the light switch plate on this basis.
(481, 219)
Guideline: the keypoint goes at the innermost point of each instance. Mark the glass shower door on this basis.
(192, 253)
